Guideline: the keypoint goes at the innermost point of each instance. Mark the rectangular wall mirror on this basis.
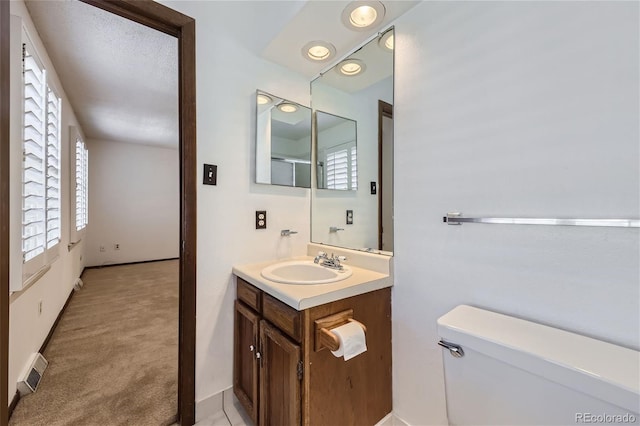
(353, 150)
(283, 141)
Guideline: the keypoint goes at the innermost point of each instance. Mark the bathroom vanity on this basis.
(283, 372)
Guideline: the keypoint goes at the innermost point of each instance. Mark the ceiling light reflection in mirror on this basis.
(283, 142)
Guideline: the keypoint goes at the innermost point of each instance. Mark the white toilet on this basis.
(501, 370)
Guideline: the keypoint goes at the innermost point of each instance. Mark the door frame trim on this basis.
(172, 22)
(4, 211)
(385, 109)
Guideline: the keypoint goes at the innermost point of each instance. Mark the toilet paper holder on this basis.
(324, 337)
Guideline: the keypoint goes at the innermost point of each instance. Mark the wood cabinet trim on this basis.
(283, 316)
(249, 294)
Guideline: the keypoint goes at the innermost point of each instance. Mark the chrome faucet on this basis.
(332, 262)
(335, 229)
(287, 232)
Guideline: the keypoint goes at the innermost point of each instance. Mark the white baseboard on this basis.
(209, 406)
(391, 420)
(234, 411)
(397, 421)
(227, 402)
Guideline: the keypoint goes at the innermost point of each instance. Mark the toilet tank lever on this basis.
(454, 349)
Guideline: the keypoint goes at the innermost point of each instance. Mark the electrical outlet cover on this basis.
(261, 219)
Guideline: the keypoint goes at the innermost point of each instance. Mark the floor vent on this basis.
(78, 285)
(33, 374)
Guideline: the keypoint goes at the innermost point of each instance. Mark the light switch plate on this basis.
(210, 174)
(374, 188)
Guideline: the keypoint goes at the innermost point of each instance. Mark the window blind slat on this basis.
(34, 204)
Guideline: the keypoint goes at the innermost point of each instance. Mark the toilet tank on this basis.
(516, 372)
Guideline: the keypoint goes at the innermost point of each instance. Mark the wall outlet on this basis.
(349, 217)
(102, 249)
(39, 307)
(261, 219)
(116, 246)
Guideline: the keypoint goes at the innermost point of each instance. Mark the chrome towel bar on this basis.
(456, 218)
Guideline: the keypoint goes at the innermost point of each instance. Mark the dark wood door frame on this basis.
(169, 21)
(4, 211)
(384, 110)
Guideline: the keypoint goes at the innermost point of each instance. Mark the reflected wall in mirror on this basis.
(283, 141)
(337, 165)
(359, 88)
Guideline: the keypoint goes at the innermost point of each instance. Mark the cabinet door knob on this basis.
(258, 356)
(251, 348)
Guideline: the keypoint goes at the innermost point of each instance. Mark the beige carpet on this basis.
(113, 359)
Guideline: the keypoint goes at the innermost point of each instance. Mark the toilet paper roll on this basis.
(352, 340)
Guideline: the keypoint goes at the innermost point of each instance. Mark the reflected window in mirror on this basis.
(359, 91)
(337, 166)
(283, 141)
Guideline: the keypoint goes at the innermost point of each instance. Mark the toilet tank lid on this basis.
(602, 369)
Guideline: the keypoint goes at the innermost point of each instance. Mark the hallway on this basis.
(113, 358)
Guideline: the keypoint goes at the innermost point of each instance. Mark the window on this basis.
(53, 168)
(41, 163)
(341, 169)
(82, 185)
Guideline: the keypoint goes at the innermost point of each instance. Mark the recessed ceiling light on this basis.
(263, 99)
(351, 67)
(287, 107)
(386, 41)
(360, 15)
(318, 50)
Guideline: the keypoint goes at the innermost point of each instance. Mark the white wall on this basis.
(521, 109)
(228, 76)
(134, 201)
(28, 329)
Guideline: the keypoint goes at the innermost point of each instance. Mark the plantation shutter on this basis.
(338, 170)
(34, 157)
(354, 168)
(53, 168)
(82, 178)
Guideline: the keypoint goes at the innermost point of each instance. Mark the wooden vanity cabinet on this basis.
(245, 363)
(280, 377)
(267, 362)
(282, 380)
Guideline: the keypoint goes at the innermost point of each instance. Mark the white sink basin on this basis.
(304, 272)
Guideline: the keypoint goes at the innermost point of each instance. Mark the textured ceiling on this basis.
(121, 77)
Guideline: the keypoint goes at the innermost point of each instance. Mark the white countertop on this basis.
(306, 296)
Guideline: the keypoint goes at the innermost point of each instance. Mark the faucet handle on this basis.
(341, 258)
(322, 254)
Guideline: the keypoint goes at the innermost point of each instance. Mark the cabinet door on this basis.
(279, 378)
(245, 359)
